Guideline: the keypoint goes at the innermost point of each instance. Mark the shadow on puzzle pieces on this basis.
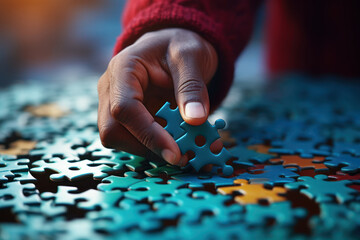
(168, 169)
(253, 193)
(16, 196)
(70, 169)
(192, 205)
(119, 183)
(186, 141)
(247, 157)
(88, 200)
(9, 167)
(321, 190)
(46, 209)
(281, 212)
(348, 163)
(129, 214)
(270, 174)
(301, 163)
(153, 189)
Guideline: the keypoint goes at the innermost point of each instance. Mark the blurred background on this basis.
(42, 40)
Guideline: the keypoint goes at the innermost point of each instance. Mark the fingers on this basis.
(187, 62)
(127, 83)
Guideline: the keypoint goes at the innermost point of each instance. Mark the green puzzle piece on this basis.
(115, 183)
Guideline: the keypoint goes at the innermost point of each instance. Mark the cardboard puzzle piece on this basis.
(49, 110)
(348, 163)
(119, 183)
(247, 157)
(281, 212)
(9, 167)
(186, 140)
(124, 217)
(70, 169)
(18, 147)
(59, 148)
(321, 190)
(88, 200)
(173, 120)
(152, 189)
(16, 196)
(253, 193)
(301, 163)
(123, 161)
(192, 205)
(46, 208)
(270, 174)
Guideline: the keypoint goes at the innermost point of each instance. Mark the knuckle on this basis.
(179, 50)
(119, 111)
(191, 86)
(106, 137)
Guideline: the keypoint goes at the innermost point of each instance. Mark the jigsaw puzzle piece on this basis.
(123, 161)
(124, 217)
(119, 183)
(198, 180)
(88, 200)
(321, 190)
(153, 189)
(16, 196)
(192, 205)
(173, 120)
(301, 163)
(247, 157)
(348, 163)
(281, 212)
(70, 169)
(253, 193)
(9, 167)
(271, 175)
(61, 147)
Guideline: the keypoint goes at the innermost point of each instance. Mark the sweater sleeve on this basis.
(227, 25)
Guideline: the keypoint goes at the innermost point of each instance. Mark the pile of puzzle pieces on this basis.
(291, 170)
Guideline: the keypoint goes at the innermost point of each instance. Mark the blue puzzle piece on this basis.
(247, 157)
(350, 163)
(322, 191)
(281, 212)
(119, 183)
(272, 175)
(173, 120)
(200, 179)
(203, 155)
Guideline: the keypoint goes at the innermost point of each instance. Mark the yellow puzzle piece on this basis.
(253, 193)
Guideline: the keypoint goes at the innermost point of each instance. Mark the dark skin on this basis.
(172, 65)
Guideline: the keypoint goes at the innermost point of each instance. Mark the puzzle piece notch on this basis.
(320, 190)
(253, 193)
(9, 167)
(246, 156)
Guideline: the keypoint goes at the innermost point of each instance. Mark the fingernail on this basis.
(168, 155)
(194, 110)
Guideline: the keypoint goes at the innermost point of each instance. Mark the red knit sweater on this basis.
(308, 36)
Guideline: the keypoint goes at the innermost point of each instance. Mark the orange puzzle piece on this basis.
(18, 147)
(50, 110)
(261, 148)
(253, 193)
(301, 163)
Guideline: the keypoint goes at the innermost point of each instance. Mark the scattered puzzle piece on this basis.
(119, 183)
(322, 191)
(18, 147)
(247, 157)
(50, 110)
(349, 163)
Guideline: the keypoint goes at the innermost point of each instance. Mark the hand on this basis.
(172, 65)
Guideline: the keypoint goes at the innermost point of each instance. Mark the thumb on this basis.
(186, 68)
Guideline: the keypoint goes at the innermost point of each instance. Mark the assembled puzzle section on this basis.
(293, 148)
